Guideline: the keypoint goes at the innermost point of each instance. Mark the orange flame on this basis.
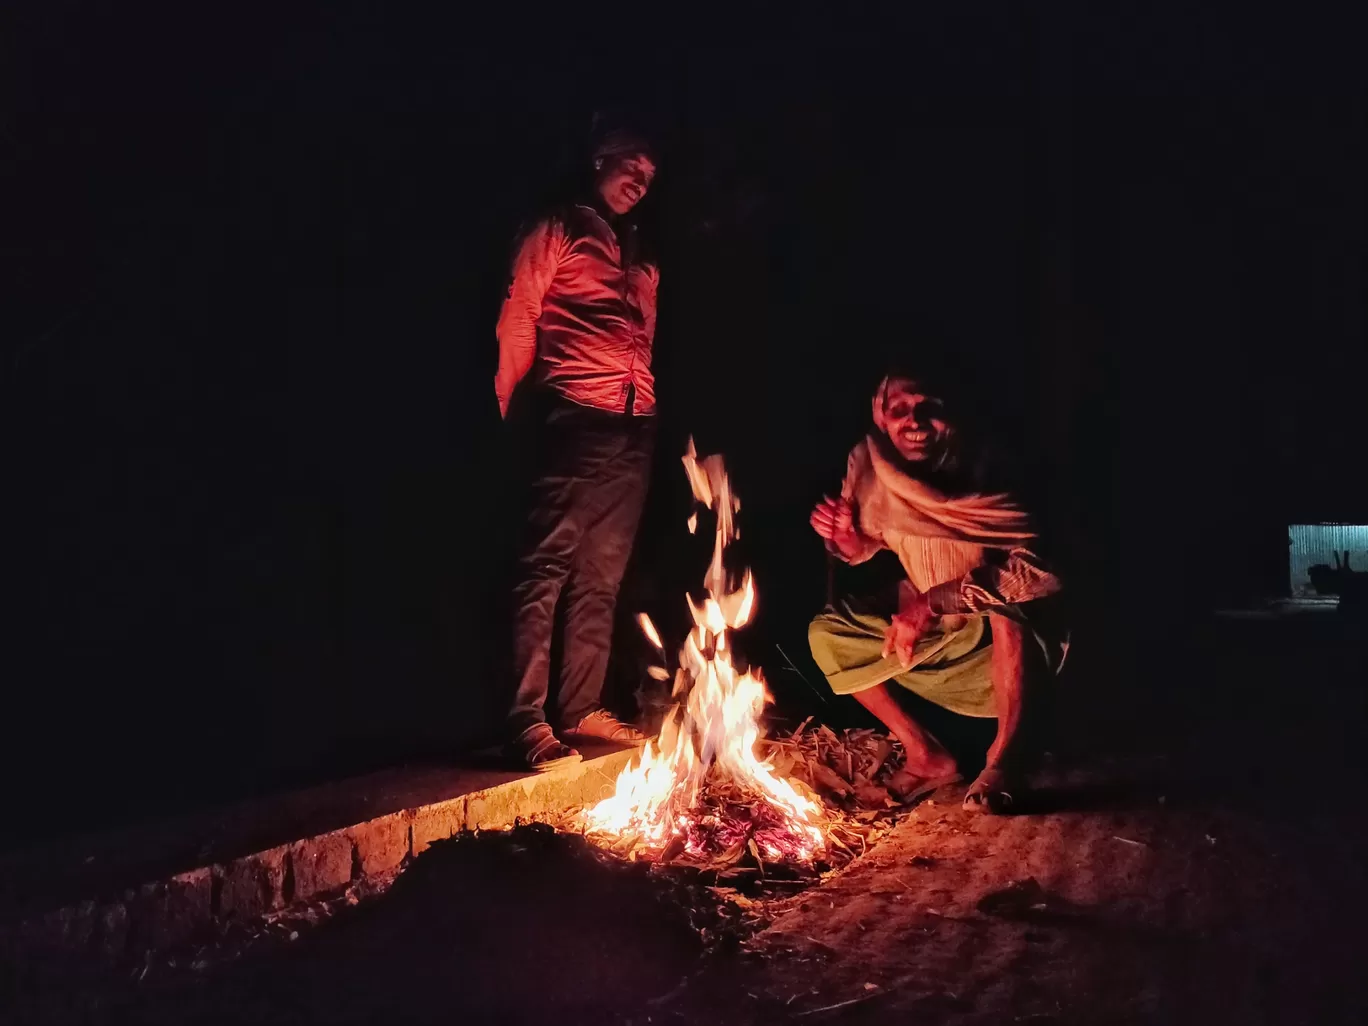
(716, 729)
(649, 629)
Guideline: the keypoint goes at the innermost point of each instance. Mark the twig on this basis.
(789, 665)
(840, 1004)
(673, 992)
(1127, 840)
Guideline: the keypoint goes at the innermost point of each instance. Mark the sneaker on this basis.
(538, 749)
(601, 725)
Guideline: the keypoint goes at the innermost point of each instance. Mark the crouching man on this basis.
(964, 628)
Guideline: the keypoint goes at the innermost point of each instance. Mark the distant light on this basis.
(1319, 555)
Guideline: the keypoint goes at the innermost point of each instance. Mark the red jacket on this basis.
(576, 318)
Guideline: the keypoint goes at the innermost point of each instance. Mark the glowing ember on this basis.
(699, 788)
(649, 629)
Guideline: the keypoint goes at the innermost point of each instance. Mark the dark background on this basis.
(254, 257)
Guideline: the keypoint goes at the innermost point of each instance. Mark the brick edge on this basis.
(193, 905)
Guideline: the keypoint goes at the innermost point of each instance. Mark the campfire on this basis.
(700, 791)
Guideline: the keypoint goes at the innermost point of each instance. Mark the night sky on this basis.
(255, 257)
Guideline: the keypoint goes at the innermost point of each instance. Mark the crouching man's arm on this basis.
(991, 792)
(1014, 577)
(834, 521)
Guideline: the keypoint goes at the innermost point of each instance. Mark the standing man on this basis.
(575, 337)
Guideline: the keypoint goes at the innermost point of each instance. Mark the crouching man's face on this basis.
(913, 419)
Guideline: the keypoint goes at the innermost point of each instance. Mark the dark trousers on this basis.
(589, 472)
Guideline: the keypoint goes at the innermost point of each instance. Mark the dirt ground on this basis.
(1193, 853)
(1134, 911)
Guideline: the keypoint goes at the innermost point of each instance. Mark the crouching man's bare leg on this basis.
(928, 764)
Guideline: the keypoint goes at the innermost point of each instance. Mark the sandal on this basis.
(538, 749)
(601, 725)
(989, 794)
(907, 788)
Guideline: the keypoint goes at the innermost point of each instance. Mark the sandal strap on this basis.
(539, 744)
(548, 742)
(613, 728)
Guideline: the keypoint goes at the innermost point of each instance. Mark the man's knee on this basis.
(836, 619)
(541, 568)
(601, 561)
(546, 550)
(819, 629)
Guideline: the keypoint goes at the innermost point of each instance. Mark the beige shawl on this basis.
(883, 494)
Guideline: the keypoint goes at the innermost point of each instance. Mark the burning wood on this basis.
(709, 791)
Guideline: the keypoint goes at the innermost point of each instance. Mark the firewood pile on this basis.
(734, 891)
(844, 770)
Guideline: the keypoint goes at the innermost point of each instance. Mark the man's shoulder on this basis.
(574, 218)
(859, 454)
(567, 221)
(552, 219)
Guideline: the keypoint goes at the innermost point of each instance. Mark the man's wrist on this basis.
(912, 604)
(847, 543)
(944, 599)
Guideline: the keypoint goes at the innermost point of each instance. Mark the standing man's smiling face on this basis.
(623, 179)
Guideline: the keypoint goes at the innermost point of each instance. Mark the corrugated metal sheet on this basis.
(1317, 545)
